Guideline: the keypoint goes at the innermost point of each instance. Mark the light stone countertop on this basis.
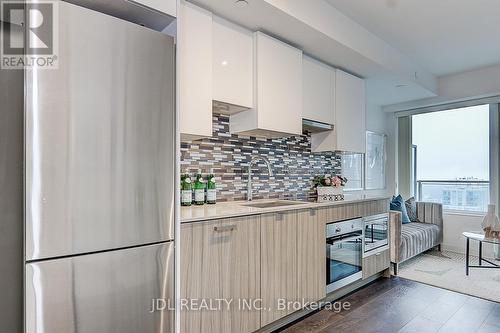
(230, 209)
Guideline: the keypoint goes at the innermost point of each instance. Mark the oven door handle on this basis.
(384, 223)
(344, 240)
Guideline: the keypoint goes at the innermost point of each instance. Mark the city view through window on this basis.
(451, 158)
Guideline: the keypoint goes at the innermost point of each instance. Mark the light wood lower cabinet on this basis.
(376, 263)
(311, 254)
(200, 275)
(240, 274)
(275, 257)
(220, 260)
(279, 278)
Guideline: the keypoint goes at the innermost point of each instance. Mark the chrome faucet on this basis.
(249, 184)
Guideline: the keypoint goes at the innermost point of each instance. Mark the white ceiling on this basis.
(443, 36)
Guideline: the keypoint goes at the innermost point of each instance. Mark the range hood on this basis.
(312, 126)
(128, 10)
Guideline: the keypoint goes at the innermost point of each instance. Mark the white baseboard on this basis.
(487, 250)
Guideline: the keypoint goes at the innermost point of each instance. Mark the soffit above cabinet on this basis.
(165, 6)
(153, 14)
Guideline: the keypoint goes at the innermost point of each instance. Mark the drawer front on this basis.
(376, 263)
(376, 207)
(353, 210)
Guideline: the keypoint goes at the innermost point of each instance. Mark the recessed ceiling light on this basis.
(241, 3)
(224, 63)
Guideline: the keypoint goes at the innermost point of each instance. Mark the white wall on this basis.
(454, 225)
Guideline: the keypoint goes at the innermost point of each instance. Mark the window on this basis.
(352, 169)
(453, 158)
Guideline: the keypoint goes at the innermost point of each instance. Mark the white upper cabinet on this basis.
(232, 64)
(194, 56)
(319, 91)
(278, 92)
(350, 123)
(165, 6)
(350, 112)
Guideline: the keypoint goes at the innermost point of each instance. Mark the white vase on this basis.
(330, 193)
(491, 224)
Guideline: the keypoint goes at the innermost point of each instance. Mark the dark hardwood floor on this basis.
(399, 305)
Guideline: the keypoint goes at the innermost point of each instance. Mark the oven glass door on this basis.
(343, 256)
(376, 234)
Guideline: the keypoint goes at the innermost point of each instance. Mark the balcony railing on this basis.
(456, 195)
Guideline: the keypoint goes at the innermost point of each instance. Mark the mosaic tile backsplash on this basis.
(293, 164)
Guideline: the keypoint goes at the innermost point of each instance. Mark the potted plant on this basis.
(329, 188)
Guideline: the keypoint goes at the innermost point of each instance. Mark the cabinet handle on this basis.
(223, 228)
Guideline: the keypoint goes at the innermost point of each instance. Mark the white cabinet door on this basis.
(349, 130)
(165, 6)
(194, 56)
(279, 85)
(319, 91)
(350, 112)
(232, 64)
(277, 91)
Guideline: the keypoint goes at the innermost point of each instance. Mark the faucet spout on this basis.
(252, 161)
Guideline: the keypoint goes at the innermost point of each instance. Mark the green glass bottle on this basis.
(199, 189)
(211, 188)
(186, 190)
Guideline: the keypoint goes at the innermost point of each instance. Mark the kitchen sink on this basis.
(272, 204)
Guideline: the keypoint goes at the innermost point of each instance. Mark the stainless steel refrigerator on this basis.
(87, 175)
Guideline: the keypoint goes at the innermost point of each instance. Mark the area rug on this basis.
(447, 270)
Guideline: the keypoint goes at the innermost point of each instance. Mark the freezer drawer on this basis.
(99, 139)
(105, 292)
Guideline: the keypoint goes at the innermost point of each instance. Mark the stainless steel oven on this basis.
(376, 232)
(344, 253)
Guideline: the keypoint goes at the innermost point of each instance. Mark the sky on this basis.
(452, 144)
